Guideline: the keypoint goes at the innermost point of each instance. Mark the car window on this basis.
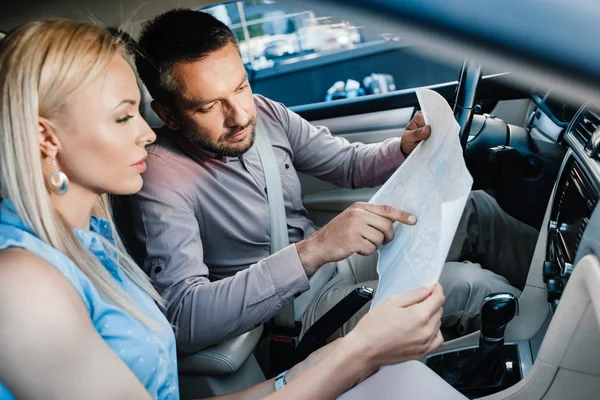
(299, 57)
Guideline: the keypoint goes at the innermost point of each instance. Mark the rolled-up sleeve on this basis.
(334, 159)
(204, 312)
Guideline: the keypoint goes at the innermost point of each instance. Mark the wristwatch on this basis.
(280, 381)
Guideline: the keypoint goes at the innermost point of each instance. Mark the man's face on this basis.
(215, 109)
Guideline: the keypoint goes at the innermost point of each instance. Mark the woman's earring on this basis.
(59, 183)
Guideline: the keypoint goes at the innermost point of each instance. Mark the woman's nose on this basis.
(147, 136)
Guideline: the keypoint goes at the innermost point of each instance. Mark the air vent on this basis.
(586, 126)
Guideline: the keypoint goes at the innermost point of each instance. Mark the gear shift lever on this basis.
(483, 371)
(497, 310)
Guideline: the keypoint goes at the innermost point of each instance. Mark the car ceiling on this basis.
(547, 43)
(115, 13)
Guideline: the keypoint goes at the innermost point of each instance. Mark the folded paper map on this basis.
(433, 184)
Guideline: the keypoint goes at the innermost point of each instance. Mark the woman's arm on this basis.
(48, 345)
(405, 327)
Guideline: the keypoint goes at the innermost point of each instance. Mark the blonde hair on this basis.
(41, 64)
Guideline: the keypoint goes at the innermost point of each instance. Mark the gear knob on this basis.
(497, 310)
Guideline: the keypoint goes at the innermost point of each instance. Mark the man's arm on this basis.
(334, 159)
(204, 312)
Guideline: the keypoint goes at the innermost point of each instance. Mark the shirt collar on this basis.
(9, 216)
(103, 228)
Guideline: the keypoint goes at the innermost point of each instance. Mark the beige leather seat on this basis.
(221, 369)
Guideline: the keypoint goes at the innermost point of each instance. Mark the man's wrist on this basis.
(405, 154)
(309, 254)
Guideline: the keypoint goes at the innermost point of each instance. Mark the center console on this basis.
(573, 204)
(493, 365)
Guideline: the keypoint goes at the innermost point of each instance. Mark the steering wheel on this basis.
(464, 103)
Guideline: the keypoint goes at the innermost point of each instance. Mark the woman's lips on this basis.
(141, 165)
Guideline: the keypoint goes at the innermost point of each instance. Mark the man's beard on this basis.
(222, 149)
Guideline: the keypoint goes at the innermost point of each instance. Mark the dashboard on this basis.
(573, 223)
(550, 116)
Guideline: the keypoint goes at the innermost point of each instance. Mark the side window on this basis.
(298, 57)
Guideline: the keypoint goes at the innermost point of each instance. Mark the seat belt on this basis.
(279, 231)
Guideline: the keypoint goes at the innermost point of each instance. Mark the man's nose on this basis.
(237, 115)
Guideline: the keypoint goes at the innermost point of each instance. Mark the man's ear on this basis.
(49, 142)
(165, 114)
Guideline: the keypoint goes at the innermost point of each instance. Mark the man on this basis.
(202, 217)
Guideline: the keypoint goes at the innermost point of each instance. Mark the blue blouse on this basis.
(149, 353)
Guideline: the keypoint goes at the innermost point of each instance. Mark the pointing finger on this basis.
(389, 212)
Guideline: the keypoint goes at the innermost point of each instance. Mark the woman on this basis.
(78, 319)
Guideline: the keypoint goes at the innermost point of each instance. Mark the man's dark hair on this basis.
(180, 35)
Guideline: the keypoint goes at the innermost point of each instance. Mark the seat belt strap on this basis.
(278, 219)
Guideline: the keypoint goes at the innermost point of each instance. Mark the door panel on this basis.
(323, 206)
(372, 119)
(369, 122)
(324, 200)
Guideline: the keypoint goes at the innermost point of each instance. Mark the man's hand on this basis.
(402, 328)
(362, 229)
(415, 132)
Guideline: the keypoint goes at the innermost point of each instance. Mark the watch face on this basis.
(280, 381)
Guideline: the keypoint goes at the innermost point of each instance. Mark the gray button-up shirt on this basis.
(203, 222)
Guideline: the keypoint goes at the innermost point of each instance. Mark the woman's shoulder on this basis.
(20, 246)
(24, 272)
(44, 323)
(17, 263)
(35, 296)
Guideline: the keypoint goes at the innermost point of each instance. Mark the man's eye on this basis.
(124, 119)
(243, 87)
(207, 109)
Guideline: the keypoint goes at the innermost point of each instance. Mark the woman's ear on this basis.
(165, 114)
(49, 142)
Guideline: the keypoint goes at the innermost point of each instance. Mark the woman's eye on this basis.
(124, 119)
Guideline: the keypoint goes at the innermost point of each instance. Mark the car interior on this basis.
(531, 139)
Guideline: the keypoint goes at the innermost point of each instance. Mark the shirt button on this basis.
(157, 270)
(287, 166)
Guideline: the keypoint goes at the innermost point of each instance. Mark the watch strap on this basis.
(280, 381)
